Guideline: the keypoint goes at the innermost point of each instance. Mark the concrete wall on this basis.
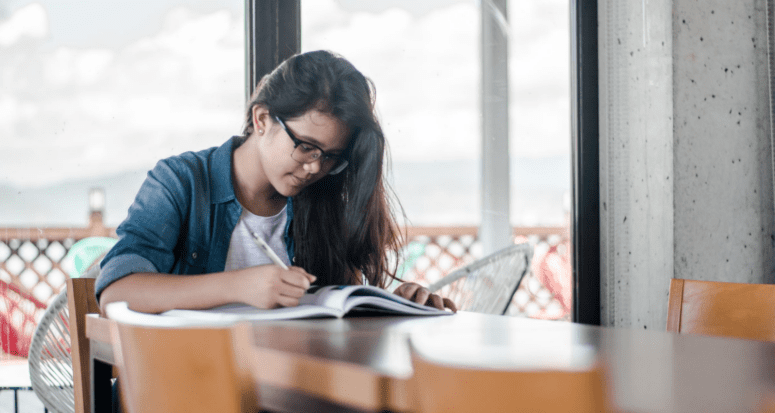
(723, 187)
(686, 167)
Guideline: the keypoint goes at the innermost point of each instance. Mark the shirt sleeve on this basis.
(148, 237)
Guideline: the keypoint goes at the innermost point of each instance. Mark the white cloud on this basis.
(28, 21)
(8, 110)
(74, 67)
(70, 112)
(426, 70)
(92, 65)
(101, 111)
(11, 111)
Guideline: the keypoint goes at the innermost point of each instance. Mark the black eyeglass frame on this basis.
(339, 161)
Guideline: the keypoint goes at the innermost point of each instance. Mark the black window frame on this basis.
(585, 159)
(273, 33)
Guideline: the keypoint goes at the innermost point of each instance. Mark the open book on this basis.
(329, 301)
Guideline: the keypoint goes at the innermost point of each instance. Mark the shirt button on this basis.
(193, 255)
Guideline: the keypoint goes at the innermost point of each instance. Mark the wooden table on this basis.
(363, 364)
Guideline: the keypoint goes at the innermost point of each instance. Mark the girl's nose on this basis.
(312, 167)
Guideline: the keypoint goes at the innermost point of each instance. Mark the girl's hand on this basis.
(421, 295)
(269, 286)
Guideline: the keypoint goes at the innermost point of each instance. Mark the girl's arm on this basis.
(264, 286)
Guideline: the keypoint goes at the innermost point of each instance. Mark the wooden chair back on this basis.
(188, 369)
(81, 301)
(722, 309)
(443, 388)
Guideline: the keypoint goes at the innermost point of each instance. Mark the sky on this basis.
(96, 87)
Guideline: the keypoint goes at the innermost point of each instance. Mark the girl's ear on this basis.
(260, 119)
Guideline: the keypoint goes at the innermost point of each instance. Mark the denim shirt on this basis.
(181, 220)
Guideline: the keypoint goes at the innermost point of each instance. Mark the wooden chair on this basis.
(183, 368)
(722, 309)
(81, 301)
(444, 388)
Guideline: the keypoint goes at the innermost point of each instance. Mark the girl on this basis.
(306, 176)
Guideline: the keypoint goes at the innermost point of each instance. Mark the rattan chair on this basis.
(50, 363)
(487, 285)
(50, 356)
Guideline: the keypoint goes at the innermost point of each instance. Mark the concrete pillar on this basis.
(636, 161)
(686, 175)
(495, 230)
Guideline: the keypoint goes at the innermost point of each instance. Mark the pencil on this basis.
(268, 251)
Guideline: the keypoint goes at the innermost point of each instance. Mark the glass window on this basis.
(93, 94)
(539, 81)
(424, 59)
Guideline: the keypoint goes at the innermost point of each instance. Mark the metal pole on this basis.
(495, 230)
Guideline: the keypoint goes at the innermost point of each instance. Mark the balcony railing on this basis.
(32, 262)
(33, 258)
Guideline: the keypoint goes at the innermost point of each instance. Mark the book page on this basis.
(369, 291)
(346, 297)
(240, 312)
(380, 304)
(331, 296)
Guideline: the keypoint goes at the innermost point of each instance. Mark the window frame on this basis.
(268, 43)
(272, 34)
(585, 159)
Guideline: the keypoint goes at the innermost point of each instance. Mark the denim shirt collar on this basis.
(223, 188)
(221, 176)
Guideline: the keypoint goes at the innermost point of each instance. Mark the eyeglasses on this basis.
(305, 152)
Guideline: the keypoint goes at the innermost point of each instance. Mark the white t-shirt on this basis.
(243, 251)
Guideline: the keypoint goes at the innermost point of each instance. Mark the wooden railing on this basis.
(32, 259)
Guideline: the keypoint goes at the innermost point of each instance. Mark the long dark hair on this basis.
(343, 225)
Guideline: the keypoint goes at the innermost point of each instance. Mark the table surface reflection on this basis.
(649, 371)
(364, 363)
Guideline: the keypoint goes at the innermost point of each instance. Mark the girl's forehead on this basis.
(320, 128)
